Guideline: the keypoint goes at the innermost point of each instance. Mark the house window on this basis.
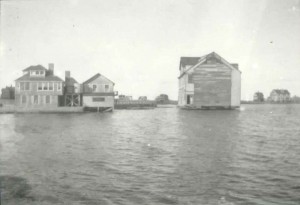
(23, 99)
(59, 86)
(45, 86)
(37, 72)
(98, 99)
(50, 86)
(22, 85)
(41, 72)
(36, 99)
(47, 99)
(94, 88)
(40, 86)
(106, 87)
(25, 86)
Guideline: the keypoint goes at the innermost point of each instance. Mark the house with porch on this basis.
(38, 87)
(208, 82)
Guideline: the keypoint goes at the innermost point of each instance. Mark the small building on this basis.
(38, 87)
(280, 96)
(8, 93)
(72, 91)
(209, 82)
(258, 97)
(98, 93)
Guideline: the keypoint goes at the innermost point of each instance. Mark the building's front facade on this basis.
(38, 87)
(209, 82)
(280, 95)
(98, 92)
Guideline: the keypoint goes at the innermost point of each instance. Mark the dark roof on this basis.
(35, 67)
(189, 61)
(281, 91)
(195, 60)
(94, 78)
(46, 78)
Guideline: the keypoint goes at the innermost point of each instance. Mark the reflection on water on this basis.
(160, 156)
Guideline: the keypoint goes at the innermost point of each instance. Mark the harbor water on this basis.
(159, 156)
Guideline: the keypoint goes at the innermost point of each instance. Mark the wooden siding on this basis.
(212, 85)
(235, 88)
(100, 83)
(107, 102)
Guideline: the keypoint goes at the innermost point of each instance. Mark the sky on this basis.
(138, 43)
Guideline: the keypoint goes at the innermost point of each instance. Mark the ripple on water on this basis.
(159, 156)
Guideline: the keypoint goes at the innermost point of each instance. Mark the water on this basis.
(160, 156)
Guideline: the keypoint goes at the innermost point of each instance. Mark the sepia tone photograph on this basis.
(150, 102)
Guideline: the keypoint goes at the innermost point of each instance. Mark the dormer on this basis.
(35, 71)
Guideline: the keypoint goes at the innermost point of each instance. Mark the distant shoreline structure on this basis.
(267, 102)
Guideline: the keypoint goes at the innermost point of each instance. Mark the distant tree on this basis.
(162, 99)
(258, 97)
(295, 99)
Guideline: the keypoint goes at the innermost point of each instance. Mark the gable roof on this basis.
(203, 59)
(95, 77)
(35, 67)
(27, 77)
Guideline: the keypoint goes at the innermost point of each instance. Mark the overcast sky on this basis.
(138, 43)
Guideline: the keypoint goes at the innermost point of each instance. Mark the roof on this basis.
(189, 61)
(202, 59)
(71, 81)
(46, 78)
(281, 91)
(35, 67)
(94, 78)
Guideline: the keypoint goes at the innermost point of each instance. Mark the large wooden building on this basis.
(38, 87)
(209, 82)
(98, 93)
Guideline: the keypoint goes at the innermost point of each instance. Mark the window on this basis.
(40, 86)
(22, 85)
(50, 86)
(25, 86)
(106, 87)
(98, 99)
(37, 72)
(23, 99)
(45, 86)
(94, 88)
(47, 99)
(36, 99)
(41, 72)
(58, 86)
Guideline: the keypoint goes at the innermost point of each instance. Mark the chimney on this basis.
(51, 69)
(67, 75)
